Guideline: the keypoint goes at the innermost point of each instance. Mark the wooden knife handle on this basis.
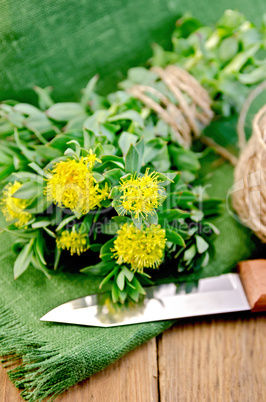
(253, 277)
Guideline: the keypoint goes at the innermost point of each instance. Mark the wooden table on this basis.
(221, 359)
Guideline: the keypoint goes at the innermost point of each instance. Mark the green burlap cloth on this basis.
(63, 43)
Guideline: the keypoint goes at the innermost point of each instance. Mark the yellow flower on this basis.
(141, 194)
(140, 248)
(71, 185)
(91, 158)
(14, 208)
(73, 241)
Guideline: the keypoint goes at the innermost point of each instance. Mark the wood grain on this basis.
(132, 378)
(214, 360)
(8, 392)
(203, 360)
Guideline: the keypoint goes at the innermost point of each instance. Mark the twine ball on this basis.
(249, 195)
(184, 104)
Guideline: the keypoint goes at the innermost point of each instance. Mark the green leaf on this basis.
(115, 193)
(27, 109)
(196, 215)
(254, 77)
(132, 162)
(47, 152)
(189, 254)
(140, 148)
(137, 221)
(184, 159)
(108, 277)
(205, 260)
(228, 48)
(64, 111)
(106, 248)
(57, 258)
(28, 190)
(95, 247)
(129, 115)
(167, 178)
(113, 158)
(125, 140)
(161, 162)
(138, 286)
(23, 259)
(88, 91)
(133, 294)
(39, 247)
(151, 219)
(201, 244)
(107, 257)
(40, 224)
(50, 233)
(152, 149)
(37, 169)
(172, 214)
(99, 269)
(174, 237)
(115, 293)
(77, 146)
(109, 130)
(38, 123)
(99, 150)
(128, 274)
(88, 139)
(120, 280)
(64, 222)
(5, 171)
(122, 296)
(213, 227)
(114, 176)
(98, 177)
(45, 101)
(39, 204)
(22, 146)
(240, 59)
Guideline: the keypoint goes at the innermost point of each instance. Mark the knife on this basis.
(243, 291)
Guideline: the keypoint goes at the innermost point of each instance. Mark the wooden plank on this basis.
(132, 378)
(8, 392)
(214, 360)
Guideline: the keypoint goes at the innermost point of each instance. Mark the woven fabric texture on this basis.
(63, 44)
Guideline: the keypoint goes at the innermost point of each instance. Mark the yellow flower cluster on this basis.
(92, 158)
(75, 242)
(70, 184)
(14, 208)
(140, 248)
(141, 194)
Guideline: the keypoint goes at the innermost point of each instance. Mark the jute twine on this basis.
(249, 194)
(189, 114)
(192, 110)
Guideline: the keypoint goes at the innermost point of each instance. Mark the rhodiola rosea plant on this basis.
(118, 218)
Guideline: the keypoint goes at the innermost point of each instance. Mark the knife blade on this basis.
(164, 302)
(215, 295)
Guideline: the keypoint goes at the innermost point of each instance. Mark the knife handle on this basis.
(253, 277)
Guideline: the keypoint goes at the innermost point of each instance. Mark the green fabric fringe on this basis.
(42, 372)
(46, 373)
